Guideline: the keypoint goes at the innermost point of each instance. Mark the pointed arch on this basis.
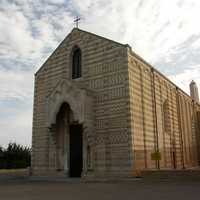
(76, 62)
(66, 92)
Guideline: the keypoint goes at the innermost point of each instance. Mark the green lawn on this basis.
(14, 171)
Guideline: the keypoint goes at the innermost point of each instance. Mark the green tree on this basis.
(15, 156)
(2, 160)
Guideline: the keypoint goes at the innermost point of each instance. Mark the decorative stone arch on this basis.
(67, 92)
(80, 102)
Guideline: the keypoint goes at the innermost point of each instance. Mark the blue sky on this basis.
(165, 33)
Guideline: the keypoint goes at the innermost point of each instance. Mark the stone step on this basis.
(171, 174)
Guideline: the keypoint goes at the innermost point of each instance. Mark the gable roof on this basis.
(104, 38)
(83, 31)
(123, 45)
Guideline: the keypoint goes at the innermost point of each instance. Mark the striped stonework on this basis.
(126, 108)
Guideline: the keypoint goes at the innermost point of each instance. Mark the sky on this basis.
(165, 33)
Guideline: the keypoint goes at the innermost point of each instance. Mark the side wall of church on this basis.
(162, 119)
(197, 126)
(105, 73)
(189, 128)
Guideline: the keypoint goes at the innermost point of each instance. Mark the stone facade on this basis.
(127, 110)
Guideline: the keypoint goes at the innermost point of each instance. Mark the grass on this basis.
(13, 171)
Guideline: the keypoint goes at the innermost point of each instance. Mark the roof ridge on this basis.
(105, 38)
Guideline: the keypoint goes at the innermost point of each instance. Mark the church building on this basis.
(100, 110)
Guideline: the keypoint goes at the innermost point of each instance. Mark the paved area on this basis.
(75, 189)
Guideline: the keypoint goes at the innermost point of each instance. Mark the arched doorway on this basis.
(69, 153)
(76, 152)
(69, 113)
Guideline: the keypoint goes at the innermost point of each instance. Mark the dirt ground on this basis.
(75, 189)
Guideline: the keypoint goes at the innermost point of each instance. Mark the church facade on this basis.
(101, 110)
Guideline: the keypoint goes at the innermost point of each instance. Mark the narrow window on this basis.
(76, 63)
(166, 117)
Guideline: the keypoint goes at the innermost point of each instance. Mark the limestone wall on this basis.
(104, 73)
(162, 119)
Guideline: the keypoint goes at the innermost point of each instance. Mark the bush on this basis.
(15, 156)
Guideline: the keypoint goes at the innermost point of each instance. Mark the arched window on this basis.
(76, 63)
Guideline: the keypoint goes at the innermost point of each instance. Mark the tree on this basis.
(15, 156)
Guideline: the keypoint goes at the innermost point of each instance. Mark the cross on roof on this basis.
(77, 19)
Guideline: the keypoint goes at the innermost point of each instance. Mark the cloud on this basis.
(180, 57)
(16, 85)
(26, 32)
(16, 96)
(27, 37)
(16, 124)
(186, 76)
(165, 33)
